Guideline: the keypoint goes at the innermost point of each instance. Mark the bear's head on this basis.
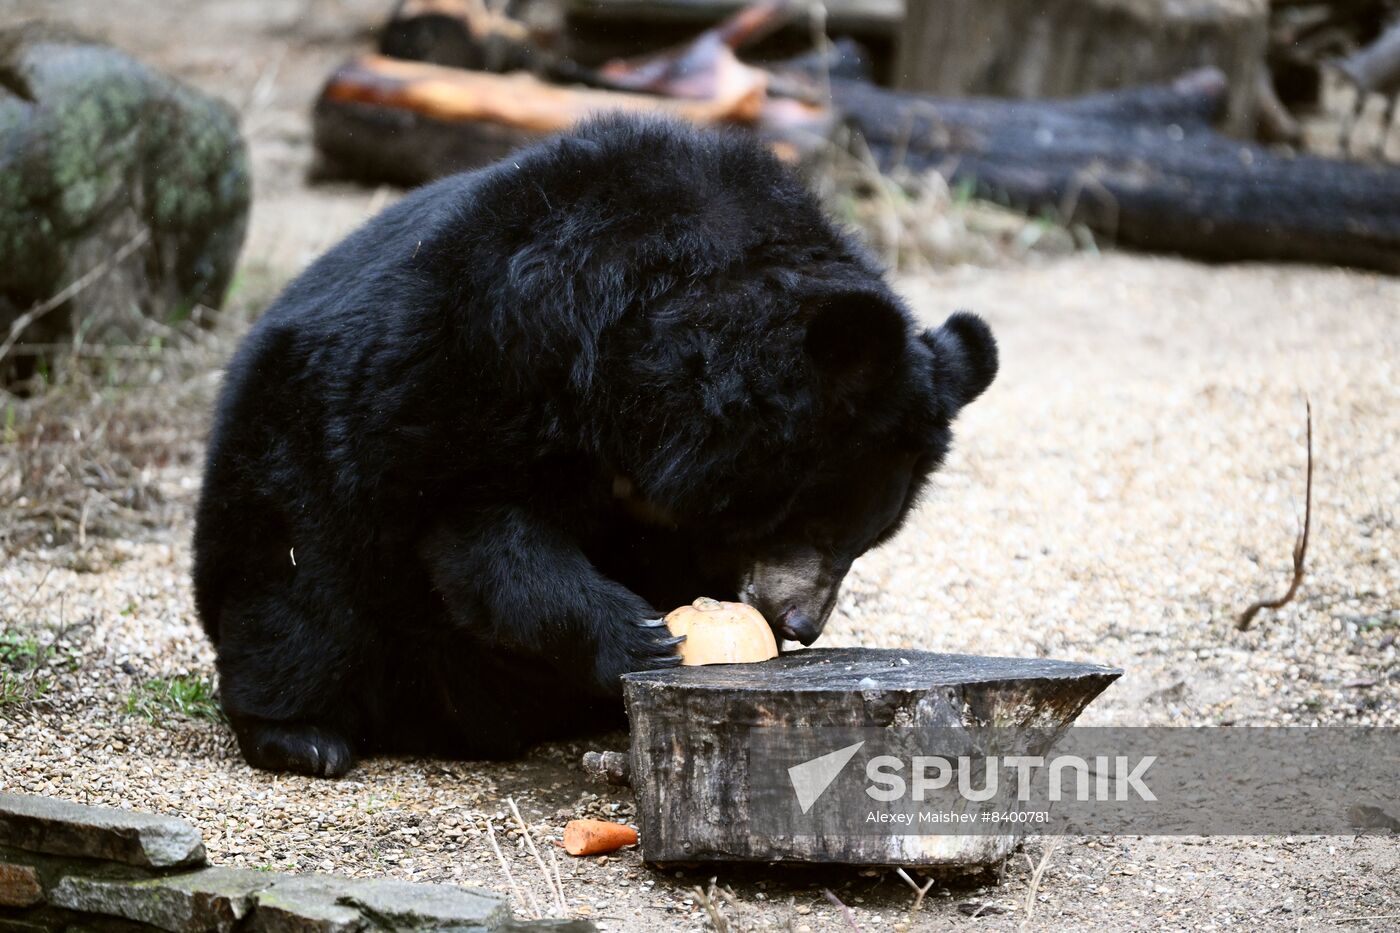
(783, 461)
(731, 363)
(869, 480)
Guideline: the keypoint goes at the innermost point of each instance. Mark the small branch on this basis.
(613, 767)
(524, 897)
(1036, 875)
(1300, 549)
(710, 901)
(919, 893)
(558, 883)
(1364, 918)
(23, 322)
(549, 881)
(845, 911)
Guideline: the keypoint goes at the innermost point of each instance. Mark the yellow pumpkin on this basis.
(722, 633)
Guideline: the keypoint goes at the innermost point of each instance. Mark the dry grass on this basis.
(99, 444)
(916, 223)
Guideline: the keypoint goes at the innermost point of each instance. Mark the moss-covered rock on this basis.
(98, 151)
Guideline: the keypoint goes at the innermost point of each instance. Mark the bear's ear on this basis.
(966, 355)
(855, 340)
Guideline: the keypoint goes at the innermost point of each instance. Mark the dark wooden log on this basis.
(1145, 169)
(1033, 49)
(691, 727)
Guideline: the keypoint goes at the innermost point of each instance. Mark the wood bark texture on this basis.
(690, 741)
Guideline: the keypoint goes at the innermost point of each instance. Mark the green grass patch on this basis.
(21, 682)
(22, 652)
(186, 696)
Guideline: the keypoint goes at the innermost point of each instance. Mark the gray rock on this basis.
(98, 151)
(58, 827)
(403, 905)
(211, 900)
(19, 886)
(53, 844)
(306, 904)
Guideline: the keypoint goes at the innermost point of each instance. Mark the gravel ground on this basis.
(1132, 480)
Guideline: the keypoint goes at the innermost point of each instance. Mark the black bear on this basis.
(465, 462)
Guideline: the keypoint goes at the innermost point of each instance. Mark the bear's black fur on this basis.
(470, 456)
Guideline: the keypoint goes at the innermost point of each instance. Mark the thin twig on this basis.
(23, 322)
(712, 909)
(1300, 548)
(558, 895)
(558, 883)
(527, 899)
(918, 891)
(845, 911)
(34, 592)
(1036, 875)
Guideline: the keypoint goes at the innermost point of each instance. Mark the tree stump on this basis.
(1060, 48)
(692, 743)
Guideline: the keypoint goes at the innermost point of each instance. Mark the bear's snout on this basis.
(796, 625)
(796, 591)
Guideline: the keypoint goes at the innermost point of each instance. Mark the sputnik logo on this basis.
(811, 778)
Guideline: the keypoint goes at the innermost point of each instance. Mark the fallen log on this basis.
(408, 122)
(1145, 169)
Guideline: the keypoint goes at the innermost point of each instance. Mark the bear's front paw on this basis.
(296, 747)
(646, 645)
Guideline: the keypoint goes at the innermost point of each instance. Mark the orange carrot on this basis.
(597, 837)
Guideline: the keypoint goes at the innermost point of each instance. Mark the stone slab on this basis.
(211, 900)
(405, 905)
(58, 827)
(306, 904)
(69, 867)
